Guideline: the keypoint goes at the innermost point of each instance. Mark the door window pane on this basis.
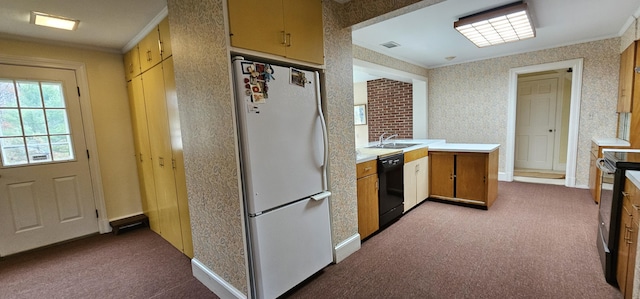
(52, 94)
(61, 146)
(13, 151)
(57, 121)
(10, 123)
(29, 94)
(38, 148)
(8, 94)
(34, 124)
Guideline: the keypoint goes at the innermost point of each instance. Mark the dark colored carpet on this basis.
(134, 264)
(536, 241)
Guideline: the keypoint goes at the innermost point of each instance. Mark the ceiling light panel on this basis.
(48, 20)
(504, 24)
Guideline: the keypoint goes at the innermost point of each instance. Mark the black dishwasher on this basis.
(391, 191)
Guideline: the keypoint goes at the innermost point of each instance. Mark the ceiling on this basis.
(427, 35)
(104, 24)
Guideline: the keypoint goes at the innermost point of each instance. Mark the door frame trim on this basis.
(87, 121)
(574, 114)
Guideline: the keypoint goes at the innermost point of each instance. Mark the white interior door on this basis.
(45, 184)
(535, 123)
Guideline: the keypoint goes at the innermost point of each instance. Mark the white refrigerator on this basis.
(283, 154)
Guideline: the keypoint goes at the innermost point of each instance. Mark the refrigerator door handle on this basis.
(321, 195)
(324, 130)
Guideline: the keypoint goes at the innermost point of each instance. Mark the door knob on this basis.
(550, 130)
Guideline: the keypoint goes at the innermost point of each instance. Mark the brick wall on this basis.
(389, 108)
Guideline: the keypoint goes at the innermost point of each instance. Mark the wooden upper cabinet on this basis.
(131, 64)
(627, 75)
(304, 33)
(288, 28)
(165, 39)
(149, 48)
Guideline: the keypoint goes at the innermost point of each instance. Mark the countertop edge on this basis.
(465, 147)
(609, 141)
(634, 177)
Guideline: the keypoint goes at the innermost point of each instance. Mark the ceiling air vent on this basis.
(391, 44)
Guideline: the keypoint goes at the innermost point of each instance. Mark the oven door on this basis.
(606, 196)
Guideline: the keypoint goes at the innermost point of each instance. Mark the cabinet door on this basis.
(410, 187)
(159, 137)
(623, 248)
(304, 32)
(367, 205)
(257, 25)
(631, 265)
(131, 63)
(177, 153)
(422, 180)
(625, 85)
(471, 180)
(149, 48)
(165, 38)
(441, 173)
(143, 152)
(592, 178)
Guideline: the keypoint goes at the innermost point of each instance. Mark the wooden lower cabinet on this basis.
(467, 177)
(367, 181)
(628, 240)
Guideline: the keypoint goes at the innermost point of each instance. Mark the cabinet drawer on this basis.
(415, 155)
(366, 168)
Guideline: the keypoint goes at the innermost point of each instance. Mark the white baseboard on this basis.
(502, 176)
(214, 282)
(346, 248)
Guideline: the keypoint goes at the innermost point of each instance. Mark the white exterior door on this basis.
(45, 183)
(535, 123)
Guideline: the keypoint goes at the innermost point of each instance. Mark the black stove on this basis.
(617, 163)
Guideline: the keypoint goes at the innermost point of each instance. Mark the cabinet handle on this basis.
(377, 184)
(625, 194)
(637, 207)
(160, 47)
(289, 39)
(284, 38)
(141, 157)
(161, 161)
(148, 55)
(367, 168)
(173, 163)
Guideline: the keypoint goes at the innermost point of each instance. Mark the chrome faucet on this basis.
(381, 139)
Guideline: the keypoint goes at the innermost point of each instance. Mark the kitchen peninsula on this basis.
(450, 172)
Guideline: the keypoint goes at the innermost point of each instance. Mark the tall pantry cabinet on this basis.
(158, 142)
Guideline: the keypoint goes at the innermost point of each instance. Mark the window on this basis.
(34, 127)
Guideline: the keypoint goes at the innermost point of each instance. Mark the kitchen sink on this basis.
(394, 145)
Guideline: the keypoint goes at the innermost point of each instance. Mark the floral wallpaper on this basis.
(202, 71)
(360, 13)
(630, 35)
(468, 102)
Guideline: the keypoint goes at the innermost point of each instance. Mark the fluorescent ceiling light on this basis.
(48, 20)
(503, 24)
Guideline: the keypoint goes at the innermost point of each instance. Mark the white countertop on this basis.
(608, 141)
(464, 147)
(633, 176)
(364, 154)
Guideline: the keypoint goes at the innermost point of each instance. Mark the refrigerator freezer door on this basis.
(289, 245)
(282, 144)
